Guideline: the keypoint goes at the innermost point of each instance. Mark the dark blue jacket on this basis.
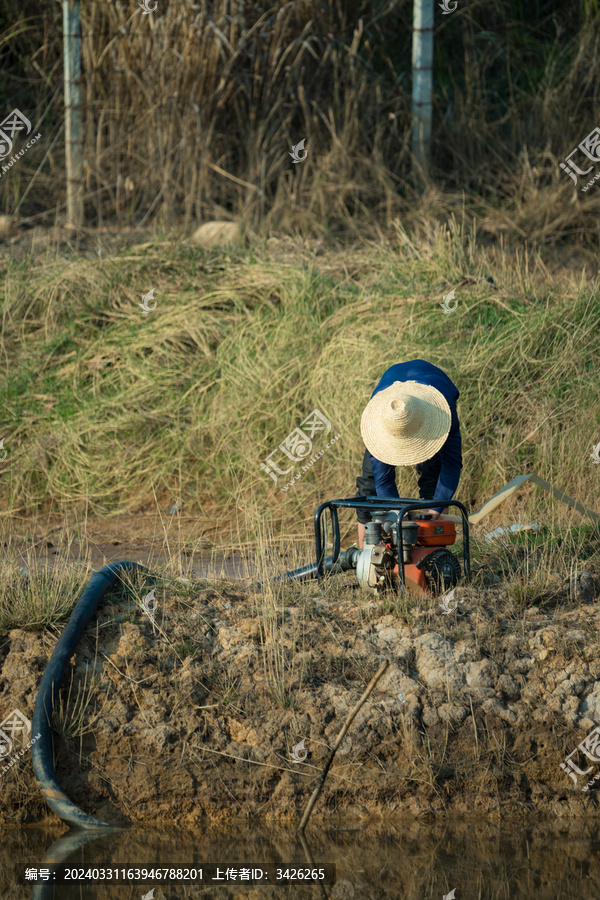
(450, 453)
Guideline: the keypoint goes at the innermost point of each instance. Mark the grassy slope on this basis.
(105, 404)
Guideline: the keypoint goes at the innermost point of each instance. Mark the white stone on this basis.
(216, 234)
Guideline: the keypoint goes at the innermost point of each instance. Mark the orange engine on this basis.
(425, 569)
(428, 564)
(436, 532)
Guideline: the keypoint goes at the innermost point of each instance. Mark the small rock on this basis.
(496, 708)
(160, 736)
(389, 635)
(108, 726)
(394, 681)
(451, 713)
(481, 674)
(464, 652)
(7, 224)
(523, 665)
(435, 662)
(590, 704)
(342, 890)
(508, 687)
(430, 717)
(215, 234)
(580, 587)
(571, 707)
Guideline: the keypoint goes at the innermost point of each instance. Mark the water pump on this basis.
(403, 547)
(427, 562)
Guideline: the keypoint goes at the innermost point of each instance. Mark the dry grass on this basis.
(190, 114)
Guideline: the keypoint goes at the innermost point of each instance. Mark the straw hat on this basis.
(406, 423)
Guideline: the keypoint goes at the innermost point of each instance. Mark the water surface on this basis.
(409, 860)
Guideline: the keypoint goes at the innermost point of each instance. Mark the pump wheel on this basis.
(442, 570)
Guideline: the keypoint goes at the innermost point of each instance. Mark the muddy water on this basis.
(409, 860)
(42, 551)
(232, 566)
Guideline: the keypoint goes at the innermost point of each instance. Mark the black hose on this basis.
(100, 584)
(345, 562)
(59, 852)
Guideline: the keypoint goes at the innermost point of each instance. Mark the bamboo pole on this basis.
(73, 125)
(422, 78)
(509, 489)
(339, 740)
(311, 862)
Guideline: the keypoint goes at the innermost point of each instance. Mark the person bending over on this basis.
(410, 420)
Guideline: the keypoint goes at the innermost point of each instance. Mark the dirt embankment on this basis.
(197, 715)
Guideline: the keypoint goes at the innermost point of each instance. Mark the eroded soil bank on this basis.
(194, 717)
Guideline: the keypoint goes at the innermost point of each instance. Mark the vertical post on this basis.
(73, 124)
(422, 61)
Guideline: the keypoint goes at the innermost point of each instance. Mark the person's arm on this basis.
(385, 479)
(451, 458)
